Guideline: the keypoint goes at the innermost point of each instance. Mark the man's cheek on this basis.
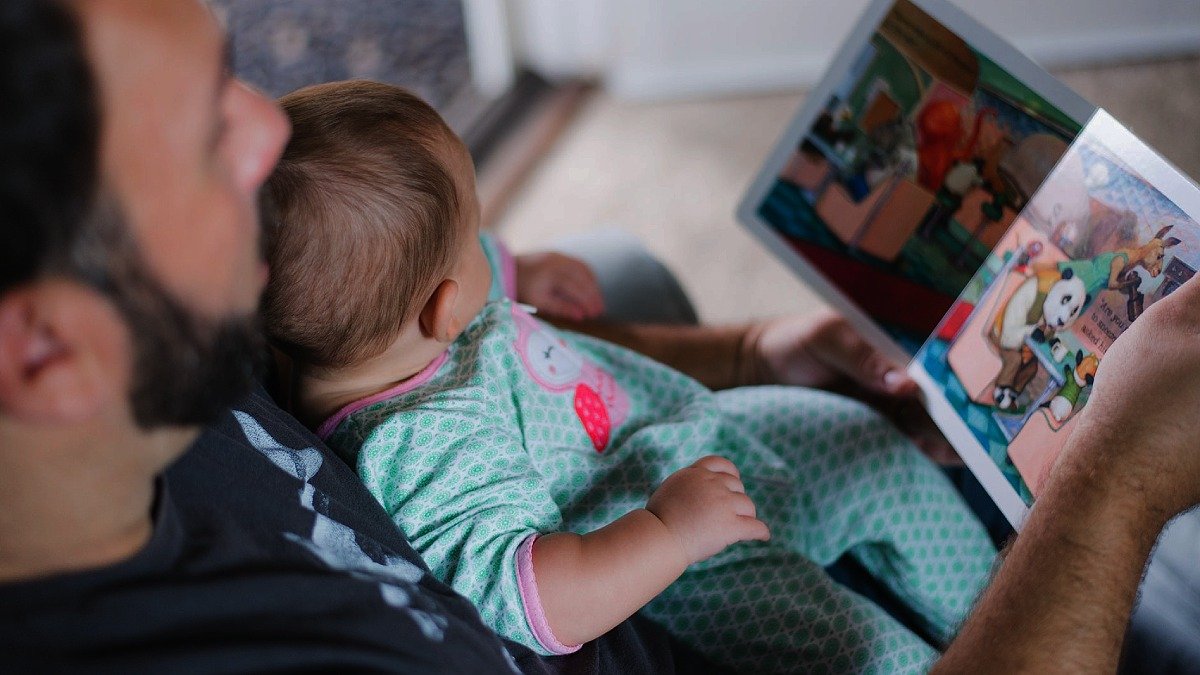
(250, 277)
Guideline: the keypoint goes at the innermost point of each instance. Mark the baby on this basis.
(563, 483)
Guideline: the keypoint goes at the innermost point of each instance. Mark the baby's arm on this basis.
(459, 482)
(590, 583)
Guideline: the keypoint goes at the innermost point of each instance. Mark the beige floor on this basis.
(672, 173)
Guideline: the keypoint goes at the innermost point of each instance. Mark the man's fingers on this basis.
(1187, 294)
(939, 451)
(878, 373)
(929, 438)
(858, 359)
(1179, 309)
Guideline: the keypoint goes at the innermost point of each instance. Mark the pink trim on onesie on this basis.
(534, 613)
(328, 426)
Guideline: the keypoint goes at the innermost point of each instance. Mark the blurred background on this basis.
(654, 115)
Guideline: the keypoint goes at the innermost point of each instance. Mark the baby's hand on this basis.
(558, 285)
(707, 509)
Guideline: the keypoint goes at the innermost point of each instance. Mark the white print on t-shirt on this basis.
(334, 543)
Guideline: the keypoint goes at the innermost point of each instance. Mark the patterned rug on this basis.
(281, 45)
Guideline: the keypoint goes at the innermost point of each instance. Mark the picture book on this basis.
(977, 220)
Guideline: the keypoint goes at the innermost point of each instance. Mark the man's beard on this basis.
(187, 369)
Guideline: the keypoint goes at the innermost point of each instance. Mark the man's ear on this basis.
(438, 318)
(60, 354)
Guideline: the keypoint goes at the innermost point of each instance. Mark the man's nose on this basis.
(267, 131)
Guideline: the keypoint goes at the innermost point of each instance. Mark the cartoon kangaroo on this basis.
(1149, 257)
(1077, 380)
(1114, 270)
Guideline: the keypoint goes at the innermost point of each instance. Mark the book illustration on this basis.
(1016, 355)
(970, 215)
(915, 167)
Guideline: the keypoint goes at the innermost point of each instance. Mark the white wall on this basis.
(489, 41)
(647, 49)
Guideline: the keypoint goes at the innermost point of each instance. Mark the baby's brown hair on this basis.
(362, 220)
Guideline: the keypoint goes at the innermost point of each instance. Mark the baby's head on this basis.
(371, 228)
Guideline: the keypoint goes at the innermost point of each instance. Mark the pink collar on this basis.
(328, 426)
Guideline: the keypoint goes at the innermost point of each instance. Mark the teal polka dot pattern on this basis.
(771, 610)
(483, 456)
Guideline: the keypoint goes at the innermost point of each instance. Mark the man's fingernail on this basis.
(892, 379)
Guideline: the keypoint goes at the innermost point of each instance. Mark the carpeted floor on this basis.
(672, 173)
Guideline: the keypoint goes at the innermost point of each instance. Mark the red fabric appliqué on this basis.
(594, 415)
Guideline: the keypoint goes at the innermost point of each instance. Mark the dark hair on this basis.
(49, 136)
(362, 219)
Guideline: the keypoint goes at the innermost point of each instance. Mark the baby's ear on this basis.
(437, 318)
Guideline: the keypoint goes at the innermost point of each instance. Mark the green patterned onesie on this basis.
(519, 430)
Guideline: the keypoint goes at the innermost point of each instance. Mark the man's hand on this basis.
(823, 350)
(1131, 463)
(705, 506)
(1140, 422)
(558, 285)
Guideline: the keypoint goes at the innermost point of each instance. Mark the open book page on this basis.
(1112, 230)
(908, 164)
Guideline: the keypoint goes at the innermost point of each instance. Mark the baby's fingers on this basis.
(718, 464)
(731, 483)
(743, 505)
(752, 529)
(588, 289)
(580, 288)
(578, 303)
(561, 305)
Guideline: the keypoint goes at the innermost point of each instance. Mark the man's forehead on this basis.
(163, 32)
(159, 67)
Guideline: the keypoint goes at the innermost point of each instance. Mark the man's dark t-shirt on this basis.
(268, 554)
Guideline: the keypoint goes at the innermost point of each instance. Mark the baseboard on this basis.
(725, 77)
(515, 147)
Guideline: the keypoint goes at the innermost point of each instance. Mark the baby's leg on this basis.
(861, 486)
(765, 609)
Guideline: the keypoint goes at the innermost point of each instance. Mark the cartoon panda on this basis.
(1044, 304)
